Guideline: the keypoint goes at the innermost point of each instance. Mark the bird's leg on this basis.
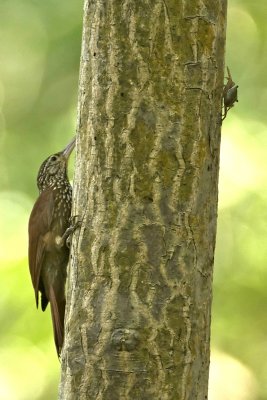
(65, 238)
(72, 228)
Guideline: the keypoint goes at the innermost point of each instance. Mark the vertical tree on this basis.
(145, 188)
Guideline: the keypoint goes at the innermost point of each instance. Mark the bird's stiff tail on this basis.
(57, 312)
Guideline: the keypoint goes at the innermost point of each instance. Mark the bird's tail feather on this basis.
(57, 312)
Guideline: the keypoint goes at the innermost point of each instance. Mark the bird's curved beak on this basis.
(68, 149)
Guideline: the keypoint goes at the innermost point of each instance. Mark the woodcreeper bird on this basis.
(49, 227)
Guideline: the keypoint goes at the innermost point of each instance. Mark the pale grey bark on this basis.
(145, 188)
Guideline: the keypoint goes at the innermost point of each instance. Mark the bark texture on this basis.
(145, 188)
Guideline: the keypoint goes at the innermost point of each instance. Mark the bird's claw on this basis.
(71, 229)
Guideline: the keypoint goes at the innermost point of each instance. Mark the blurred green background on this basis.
(39, 67)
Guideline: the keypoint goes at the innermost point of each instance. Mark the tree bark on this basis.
(145, 189)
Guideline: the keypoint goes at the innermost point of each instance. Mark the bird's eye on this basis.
(53, 158)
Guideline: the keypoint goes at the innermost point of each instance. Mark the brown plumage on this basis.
(48, 252)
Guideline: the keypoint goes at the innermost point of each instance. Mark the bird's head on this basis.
(54, 169)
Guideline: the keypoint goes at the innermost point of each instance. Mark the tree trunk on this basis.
(145, 188)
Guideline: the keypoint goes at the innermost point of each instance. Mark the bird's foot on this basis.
(71, 229)
(65, 239)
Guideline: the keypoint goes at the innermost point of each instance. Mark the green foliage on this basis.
(39, 68)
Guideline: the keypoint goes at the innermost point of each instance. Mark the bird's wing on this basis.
(39, 226)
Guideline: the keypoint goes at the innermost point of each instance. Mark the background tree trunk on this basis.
(145, 187)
